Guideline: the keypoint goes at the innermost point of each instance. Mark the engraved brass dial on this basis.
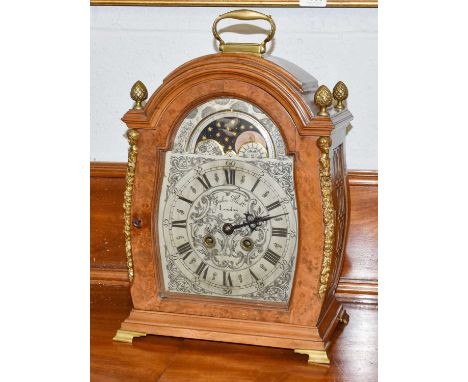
(227, 220)
(229, 228)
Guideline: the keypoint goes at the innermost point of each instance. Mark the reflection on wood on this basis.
(353, 353)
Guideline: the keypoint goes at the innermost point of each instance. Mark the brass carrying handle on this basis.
(244, 14)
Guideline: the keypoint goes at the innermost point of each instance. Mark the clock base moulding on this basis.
(311, 340)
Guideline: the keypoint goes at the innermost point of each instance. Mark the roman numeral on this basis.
(271, 257)
(186, 255)
(274, 205)
(281, 232)
(202, 268)
(181, 223)
(184, 248)
(230, 176)
(185, 200)
(181, 249)
(227, 279)
(205, 182)
(255, 185)
(253, 275)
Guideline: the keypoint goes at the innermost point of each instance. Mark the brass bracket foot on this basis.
(343, 318)
(127, 336)
(315, 356)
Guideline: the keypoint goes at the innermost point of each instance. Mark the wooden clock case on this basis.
(284, 92)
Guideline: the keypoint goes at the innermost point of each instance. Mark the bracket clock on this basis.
(236, 202)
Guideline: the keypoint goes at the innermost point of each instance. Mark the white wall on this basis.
(147, 43)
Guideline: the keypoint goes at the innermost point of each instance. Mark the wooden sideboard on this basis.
(359, 278)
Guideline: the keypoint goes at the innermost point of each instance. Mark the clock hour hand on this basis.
(229, 228)
(253, 223)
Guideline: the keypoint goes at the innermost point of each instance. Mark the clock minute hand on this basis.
(268, 217)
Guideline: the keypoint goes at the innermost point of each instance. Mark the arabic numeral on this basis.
(174, 256)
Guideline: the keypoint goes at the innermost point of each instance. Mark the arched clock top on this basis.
(290, 86)
(231, 127)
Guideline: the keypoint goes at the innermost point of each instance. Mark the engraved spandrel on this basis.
(226, 204)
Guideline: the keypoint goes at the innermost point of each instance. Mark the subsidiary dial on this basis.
(253, 150)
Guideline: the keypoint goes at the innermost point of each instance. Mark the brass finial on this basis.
(323, 99)
(340, 93)
(139, 93)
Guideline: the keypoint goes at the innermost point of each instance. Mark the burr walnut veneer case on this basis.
(236, 203)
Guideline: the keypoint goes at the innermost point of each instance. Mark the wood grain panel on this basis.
(359, 278)
(106, 235)
(361, 247)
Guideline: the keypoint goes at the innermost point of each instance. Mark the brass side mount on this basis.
(238, 47)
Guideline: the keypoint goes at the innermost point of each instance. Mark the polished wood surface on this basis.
(361, 250)
(359, 276)
(107, 242)
(359, 279)
(162, 358)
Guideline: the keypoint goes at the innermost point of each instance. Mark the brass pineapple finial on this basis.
(139, 93)
(323, 99)
(340, 93)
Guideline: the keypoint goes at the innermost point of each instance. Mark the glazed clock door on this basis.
(227, 217)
